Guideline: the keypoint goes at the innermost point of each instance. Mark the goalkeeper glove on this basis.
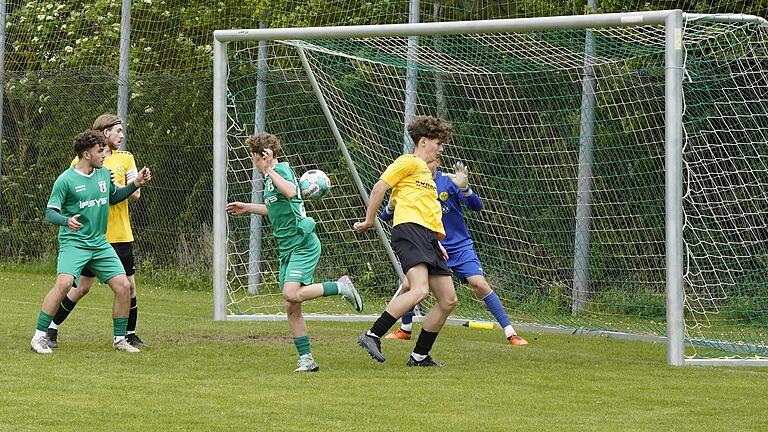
(460, 177)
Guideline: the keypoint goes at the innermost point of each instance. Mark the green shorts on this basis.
(298, 265)
(103, 262)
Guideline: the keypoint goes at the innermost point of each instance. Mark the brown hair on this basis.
(106, 121)
(429, 127)
(87, 140)
(262, 141)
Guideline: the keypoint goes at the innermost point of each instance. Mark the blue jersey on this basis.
(451, 201)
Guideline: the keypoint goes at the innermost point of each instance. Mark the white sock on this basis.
(53, 325)
(418, 357)
(119, 338)
(129, 333)
(406, 327)
(509, 331)
(371, 334)
(39, 333)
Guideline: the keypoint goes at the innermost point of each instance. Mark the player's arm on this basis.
(237, 208)
(131, 172)
(53, 208)
(460, 178)
(53, 216)
(374, 202)
(286, 187)
(121, 194)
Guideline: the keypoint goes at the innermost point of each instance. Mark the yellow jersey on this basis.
(415, 192)
(122, 164)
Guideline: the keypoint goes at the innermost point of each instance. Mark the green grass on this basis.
(198, 374)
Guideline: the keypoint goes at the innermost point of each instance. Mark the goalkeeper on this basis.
(453, 192)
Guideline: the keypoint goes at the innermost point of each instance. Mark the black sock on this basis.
(132, 313)
(65, 308)
(425, 342)
(383, 324)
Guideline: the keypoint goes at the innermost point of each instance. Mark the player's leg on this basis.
(406, 321)
(441, 285)
(299, 266)
(128, 260)
(413, 245)
(484, 292)
(418, 281)
(108, 268)
(67, 304)
(61, 286)
(298, 327)
(296, 278)
(69, 263)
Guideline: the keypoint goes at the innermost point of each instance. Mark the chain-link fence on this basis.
(61, 64)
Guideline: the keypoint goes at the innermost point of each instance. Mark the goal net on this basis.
(549, 130)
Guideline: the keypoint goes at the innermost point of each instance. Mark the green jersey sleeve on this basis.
(285, 171)
(58, 193)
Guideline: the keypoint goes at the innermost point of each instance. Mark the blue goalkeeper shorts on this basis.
(464, 264)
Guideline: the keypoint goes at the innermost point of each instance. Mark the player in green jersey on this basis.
(298, 244)
(79, 204)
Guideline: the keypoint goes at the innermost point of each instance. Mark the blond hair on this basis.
(106, 121)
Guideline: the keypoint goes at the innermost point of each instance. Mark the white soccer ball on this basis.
(314, 184)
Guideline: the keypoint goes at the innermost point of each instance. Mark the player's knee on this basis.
(449, 302)
(122, 287)
(62, 286)
(81, 290)
(481, 289)
(421, 292)
(291, 297)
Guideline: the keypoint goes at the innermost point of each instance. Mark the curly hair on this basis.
(87, 140)
(263, 140)
(429, 127)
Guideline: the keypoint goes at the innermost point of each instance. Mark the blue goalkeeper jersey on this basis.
(451, 201)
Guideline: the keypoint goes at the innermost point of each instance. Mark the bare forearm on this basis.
(377, 197)
(258, 209)
(285, 187)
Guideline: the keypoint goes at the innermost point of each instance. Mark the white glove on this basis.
(460, 177)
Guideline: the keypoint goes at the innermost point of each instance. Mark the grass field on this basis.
(198, 374)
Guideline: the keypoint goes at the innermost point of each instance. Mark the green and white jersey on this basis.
(87, 195)
(284, 214)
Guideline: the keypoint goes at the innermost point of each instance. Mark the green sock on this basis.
(43, 321)
(120, 325)
(302, 345)
(330, 288)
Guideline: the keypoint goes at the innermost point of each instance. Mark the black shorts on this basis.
(125, 253)
(414, 244)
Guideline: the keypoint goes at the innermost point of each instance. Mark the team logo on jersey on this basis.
(443, 196)
(94, 203)
(103, 186)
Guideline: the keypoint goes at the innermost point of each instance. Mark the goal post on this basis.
(339, 77)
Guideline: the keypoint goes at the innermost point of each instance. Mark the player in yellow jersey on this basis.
(119, 234)
(416, 232)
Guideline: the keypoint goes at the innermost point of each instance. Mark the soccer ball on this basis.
(314, 184)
